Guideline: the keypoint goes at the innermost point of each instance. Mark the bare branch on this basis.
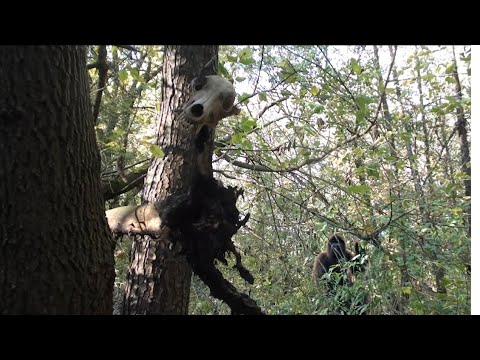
(112, 189)
(128, 47)
(94, 65)
(102, 79)
(260, 114)
(259, 69)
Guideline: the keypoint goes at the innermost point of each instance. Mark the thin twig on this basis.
(259, 69)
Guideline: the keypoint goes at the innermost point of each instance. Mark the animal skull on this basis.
(212, 99)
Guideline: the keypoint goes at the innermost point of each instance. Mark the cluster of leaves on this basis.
(129, 109)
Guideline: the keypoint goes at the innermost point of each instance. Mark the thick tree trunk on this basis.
(56, 251)
(158, 281)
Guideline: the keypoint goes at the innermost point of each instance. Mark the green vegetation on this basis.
(330, 139)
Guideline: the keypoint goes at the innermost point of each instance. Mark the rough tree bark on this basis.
(56, 252)
(158, 281)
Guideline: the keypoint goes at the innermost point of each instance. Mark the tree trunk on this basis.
(426, 137)
(158, 281)
(464, 145)
(56, 251)
(404, 275)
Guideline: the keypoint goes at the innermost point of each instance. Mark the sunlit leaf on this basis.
(123, 75)
(450, 68)
(355, 66)
(359, 189)
(247, 60)
(245, 53)
(314, 90)
(244, 98)
(247, 124)
(407, 290)
(135, 74)
(156, 150)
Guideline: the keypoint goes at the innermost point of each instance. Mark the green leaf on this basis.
(405, 136)
(243, 98)
(236, 138)
(355, 66)
(288, 76)
(112, 145)
(232, 59)
(460, 175)
(247, 124)
(239, 78)
(450, 68)
(428, 77)
(314, 90)
(358, 189)
(406, 290)
(450, 80)
(373, 172)
(135, 74)
(358, 152)
(360, 116)
(123, 75)
(156, 150)
(363, 100)
(247, 61)
(466, 58)
(245, 53)
(262, 96)
(223, 71)
(456, 211)
(306, 153)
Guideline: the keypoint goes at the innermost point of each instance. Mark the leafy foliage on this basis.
(350, 139)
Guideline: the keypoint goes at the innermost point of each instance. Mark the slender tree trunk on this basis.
(438, 271)
(158, 281)
(447, 164)
(464, 145)
(410, 151)
(56, 251)
(404, 276)
(426, 139)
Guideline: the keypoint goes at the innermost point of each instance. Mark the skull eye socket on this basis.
(199, 83)
(228, 103)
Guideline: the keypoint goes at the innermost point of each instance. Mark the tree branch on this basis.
(134, 220)
(102, 79)
(128, 47)
(114, 188)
